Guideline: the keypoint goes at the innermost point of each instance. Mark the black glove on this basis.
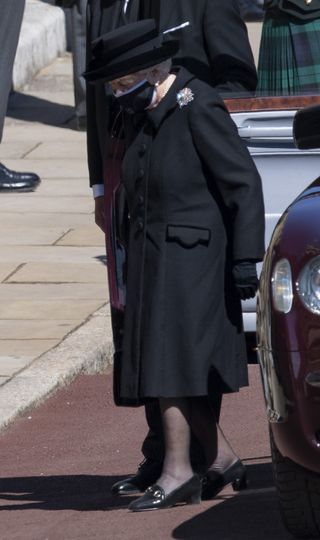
(246, 279)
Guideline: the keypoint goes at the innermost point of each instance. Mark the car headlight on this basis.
(308, 285)
(282, 286)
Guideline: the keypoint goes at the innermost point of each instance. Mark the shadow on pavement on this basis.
(251, 515)
(33, 109)
(78, 492)
(90, 492)
(102, 259)
(259, 476)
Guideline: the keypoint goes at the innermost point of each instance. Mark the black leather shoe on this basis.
(155, 498)
(214, 482)
(147, 474)
(17, 181)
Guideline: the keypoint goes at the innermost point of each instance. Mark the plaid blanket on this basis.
(289, 59)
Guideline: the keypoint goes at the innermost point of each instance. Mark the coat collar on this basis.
(169, 102)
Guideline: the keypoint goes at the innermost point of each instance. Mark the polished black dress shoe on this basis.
(214, 482)
(155, 498)
(147, 474)
(17, 181)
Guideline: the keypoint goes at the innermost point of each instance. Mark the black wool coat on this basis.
(195, 202)
(214, 47)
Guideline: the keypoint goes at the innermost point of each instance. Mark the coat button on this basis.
(141, 199)
(141, 173)
(142, 149)
(140, 224)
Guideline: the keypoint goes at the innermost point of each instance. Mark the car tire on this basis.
(299, 495)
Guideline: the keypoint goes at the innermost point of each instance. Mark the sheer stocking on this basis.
(176, 466)
(218, 452)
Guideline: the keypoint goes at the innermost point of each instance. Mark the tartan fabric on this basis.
(289, 59)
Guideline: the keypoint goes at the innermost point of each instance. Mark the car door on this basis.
(265, 124)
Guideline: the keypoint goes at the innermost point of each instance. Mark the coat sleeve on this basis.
(233, 172)
(228, 47)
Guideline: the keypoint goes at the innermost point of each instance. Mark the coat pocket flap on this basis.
(188, 236)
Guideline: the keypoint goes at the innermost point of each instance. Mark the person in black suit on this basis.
(196, 230)
(11, 15)
(214, 46)
(78, 48)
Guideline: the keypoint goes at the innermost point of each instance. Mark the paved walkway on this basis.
(52, 262)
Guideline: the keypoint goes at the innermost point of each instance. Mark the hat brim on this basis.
(133, 64)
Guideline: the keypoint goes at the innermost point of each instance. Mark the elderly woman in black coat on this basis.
(196, 231)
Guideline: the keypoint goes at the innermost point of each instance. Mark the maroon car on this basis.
(288, 334)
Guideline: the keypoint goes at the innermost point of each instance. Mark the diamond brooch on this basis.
(184, 97)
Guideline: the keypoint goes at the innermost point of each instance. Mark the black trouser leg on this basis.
(153, 444)
(11, 15)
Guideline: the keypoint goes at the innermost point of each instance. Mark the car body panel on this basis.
(289, 343)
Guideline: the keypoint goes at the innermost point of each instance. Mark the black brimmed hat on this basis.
(128, 49)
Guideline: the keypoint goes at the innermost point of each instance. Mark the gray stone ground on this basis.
(52, 255)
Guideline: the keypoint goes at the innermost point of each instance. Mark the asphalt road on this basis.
(59, 461)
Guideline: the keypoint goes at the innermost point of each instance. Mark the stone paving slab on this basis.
(57, 291)
(16, 150)
(91, 236)
(80, 205)
(26, 347)
(37, 219)
(53, 168)
(66, 187)
(48, 309)
(29, 236)
(9, 365)
(63, 272)
(16, 131)
(39, 254)
(31, 329)
(254, 33)
(61, 68)
(6, 270)
(55, 205)
(64, 150)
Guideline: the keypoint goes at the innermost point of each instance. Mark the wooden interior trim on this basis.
(274, 103)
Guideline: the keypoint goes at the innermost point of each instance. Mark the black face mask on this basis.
(138, 99)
